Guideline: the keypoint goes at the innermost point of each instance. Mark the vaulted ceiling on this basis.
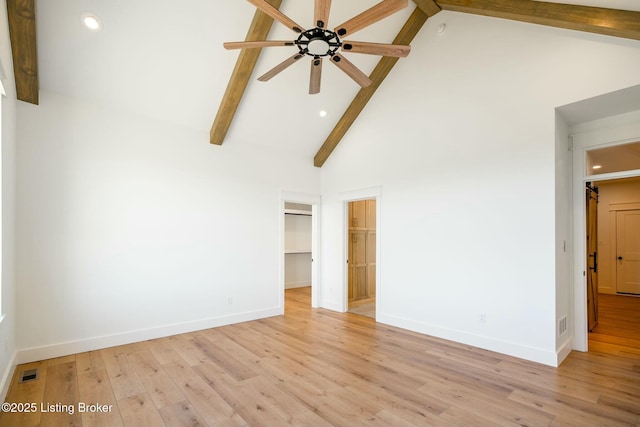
(165, 59)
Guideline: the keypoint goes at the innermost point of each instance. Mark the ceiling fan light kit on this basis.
(319, 42)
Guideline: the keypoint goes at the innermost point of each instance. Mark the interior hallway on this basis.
(618, 323)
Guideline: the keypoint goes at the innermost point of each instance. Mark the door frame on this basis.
(372, 193)
(314, 201)
(580, 148)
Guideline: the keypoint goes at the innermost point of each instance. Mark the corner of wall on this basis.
(7, 375)
(563, 351)
(95, 343)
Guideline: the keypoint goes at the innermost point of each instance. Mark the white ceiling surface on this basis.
(606, 105)
(164, 59)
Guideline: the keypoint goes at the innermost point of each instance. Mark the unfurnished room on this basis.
(320, 213)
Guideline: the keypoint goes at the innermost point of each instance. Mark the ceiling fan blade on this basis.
(321, 13)
(351, 70)
(257, 44)
(280, 67)
(370, 16)
(316, 76)
(383, 49)
(277, 15)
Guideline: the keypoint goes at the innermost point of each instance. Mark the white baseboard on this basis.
(331, 305)
(72, 347)
(7, 376)
(563, 352)
(538, 355)
(298, 284)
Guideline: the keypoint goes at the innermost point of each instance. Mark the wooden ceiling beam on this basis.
(259, 30)
(429, 7)
(22, 32)
(386, 64)
(611, 22)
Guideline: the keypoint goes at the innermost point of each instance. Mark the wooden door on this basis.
(628, 252)
(362, 249)
(592, 257)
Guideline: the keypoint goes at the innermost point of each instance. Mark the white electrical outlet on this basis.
(483, 318)
(230, 300)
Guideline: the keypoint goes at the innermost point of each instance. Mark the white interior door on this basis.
(628, 252)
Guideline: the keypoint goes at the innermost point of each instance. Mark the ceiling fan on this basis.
(320, 42)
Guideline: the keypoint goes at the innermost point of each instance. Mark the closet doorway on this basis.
(299, 269)
(362, 258)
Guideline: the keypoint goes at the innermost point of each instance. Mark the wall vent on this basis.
(562, 325)
(29, 375)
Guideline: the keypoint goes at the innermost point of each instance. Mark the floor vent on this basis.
(562, 325)
(29, 375)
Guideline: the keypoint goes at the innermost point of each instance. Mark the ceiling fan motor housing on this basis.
(318, 42)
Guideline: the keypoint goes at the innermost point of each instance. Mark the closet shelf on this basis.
(297, 251)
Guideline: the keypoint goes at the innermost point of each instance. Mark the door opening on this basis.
(613, 274)
(362, 257)
(298, 254)
(299, 245)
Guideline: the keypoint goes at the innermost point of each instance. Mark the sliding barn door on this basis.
(362, 249)
(592, 256)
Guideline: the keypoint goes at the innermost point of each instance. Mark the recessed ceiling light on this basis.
(92, 22)
(596, 167)
(323, 113)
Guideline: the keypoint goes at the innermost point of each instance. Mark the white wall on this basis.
(130, 228)
(466, 158)
(8, 126)
(564, 238)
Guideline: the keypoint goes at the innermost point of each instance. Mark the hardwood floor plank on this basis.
(628, 407)
(425, 412)
(186, 348)
(60, 360)
(157, 383)
(90, 361)
(139, 411)
(236, 368)
(582, 412)
(323, 397)
(291, 408)
(460, 417)
(182, 414)
(494, 408)
(204, 399)
(26, 392)
(318, 367)
(244, 400)
(61, 396)
(95, 389)
(122, 375)
(164, 352)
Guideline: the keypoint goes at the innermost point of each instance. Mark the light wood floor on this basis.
(618, 321)
(364, 307)
(321, 368)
